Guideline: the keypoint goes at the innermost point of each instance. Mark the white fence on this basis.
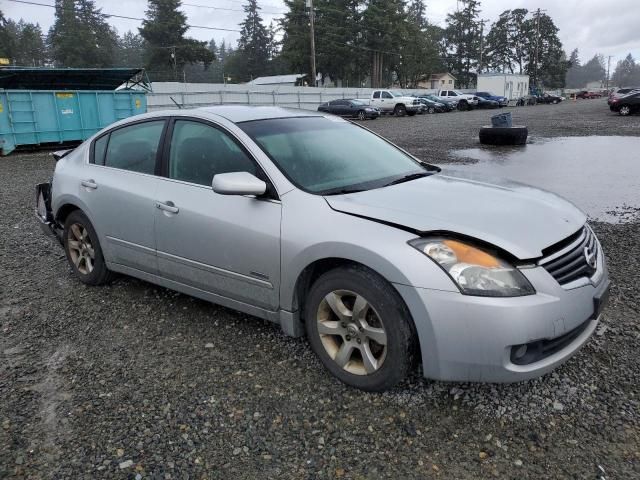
(191, 95)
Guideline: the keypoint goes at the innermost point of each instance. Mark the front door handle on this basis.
(167, 207)
(89, 184)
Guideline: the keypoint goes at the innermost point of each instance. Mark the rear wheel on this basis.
(360, 328)
(83, 250)
(400, 110)
(431, 110)
(362, 115)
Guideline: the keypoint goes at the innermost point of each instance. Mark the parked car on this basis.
(391, 101)
(429, 106)
(350, 108)
(586, 95)
(465, 100)
(627, 104)
(449, 103)
(502, 101)
(315, 223)
(620, 92)
(486, 103)
(548, 98)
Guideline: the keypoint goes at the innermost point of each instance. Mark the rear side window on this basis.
(134, 148)
(200, 151)
(376, 94)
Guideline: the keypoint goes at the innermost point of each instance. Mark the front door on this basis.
(226, 245)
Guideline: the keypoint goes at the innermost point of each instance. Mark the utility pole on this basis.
(608, 70)
(175, 65)
(313, 41)
(537, 14)
(481, 22)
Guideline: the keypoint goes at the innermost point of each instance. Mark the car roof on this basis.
(239, 113)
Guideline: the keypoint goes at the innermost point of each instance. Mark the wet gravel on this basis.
(135, 381)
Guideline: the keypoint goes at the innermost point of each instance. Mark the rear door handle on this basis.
(167, 207)
(89, 184)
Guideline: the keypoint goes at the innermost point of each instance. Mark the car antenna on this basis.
(177, 104)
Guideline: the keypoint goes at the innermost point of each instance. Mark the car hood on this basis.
(517, 218)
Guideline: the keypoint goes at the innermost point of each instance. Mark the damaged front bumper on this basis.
(44, 214)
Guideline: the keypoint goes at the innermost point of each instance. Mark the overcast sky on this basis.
(592, 26)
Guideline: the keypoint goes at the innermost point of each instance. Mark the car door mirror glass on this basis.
(238, 183)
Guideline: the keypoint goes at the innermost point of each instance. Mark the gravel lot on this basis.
(135, 381)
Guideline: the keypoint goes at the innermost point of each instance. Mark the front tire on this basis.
(362, 115)
(400, 110)
(83, 250)
(360, 328)
(624, 110)
(463, 105)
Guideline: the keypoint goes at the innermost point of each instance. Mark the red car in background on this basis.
(584, 94)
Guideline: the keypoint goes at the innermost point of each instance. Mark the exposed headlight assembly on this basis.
(473, 270)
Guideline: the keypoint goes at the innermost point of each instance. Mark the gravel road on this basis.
(135, 381)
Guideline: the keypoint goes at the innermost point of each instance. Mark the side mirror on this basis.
(238, 183)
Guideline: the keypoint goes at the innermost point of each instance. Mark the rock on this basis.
(518, 463)
(125, 464)
(558, 406)
(237, 450)
(208, 345)
(483, 455)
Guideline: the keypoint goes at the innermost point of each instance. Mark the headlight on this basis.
(473, 270)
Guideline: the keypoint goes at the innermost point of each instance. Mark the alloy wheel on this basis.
(625, 110)
(351, 332)
(361, 116)
(81, 250)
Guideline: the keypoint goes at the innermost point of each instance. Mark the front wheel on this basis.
(83, 250)
(359, 327)
(462, 106)
(400, 110)
(625, 110)
(431, 110)
(362, 115)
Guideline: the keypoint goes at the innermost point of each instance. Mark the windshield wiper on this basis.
(343, 191)
(408, 178)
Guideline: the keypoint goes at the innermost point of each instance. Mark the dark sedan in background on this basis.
(350, 108)
(429, 106)
(626, 104)
(502, 101)
(486, 103)
(449, 104)
(548, 98)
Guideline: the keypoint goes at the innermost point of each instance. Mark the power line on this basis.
(229, 9)
(111, 15)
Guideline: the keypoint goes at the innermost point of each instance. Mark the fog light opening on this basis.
(519, 352)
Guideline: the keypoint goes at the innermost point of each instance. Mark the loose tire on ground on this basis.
(345, 288)
(516, 135)
(83, 250)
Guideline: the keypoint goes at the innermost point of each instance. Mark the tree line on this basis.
(358, 42)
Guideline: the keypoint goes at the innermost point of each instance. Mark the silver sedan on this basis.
(325, 228)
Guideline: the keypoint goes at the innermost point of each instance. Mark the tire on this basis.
(411, 114)
(431, 110)
(624, 110)
(79, 232)
(555, 102)
(463, 105)
(516, 135)
(362, 115)
(386, 317)
(400, 110)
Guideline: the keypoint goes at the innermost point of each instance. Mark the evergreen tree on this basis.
(462, 37)
(130, 50)
(254, 44)
(574, 72)
(594, 70)
(296, 45)
(80, 36)
(547, 63)
(167, 49)
(627, 73)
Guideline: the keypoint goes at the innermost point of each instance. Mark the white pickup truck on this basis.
(390, 101)
(465, 100)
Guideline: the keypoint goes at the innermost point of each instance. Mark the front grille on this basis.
(573, 258)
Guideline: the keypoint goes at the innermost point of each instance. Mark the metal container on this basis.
(36, 117)
(502, 120)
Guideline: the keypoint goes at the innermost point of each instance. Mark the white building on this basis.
(292, 80)
(512, 86)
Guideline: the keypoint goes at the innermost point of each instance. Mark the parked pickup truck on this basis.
(390, 101)
(465, 100)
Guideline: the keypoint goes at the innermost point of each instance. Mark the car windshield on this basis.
(327, 156)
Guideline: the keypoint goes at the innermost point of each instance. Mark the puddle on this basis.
(601, 175)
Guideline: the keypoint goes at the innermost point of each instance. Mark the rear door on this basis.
(119, 189)
(223, 244)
